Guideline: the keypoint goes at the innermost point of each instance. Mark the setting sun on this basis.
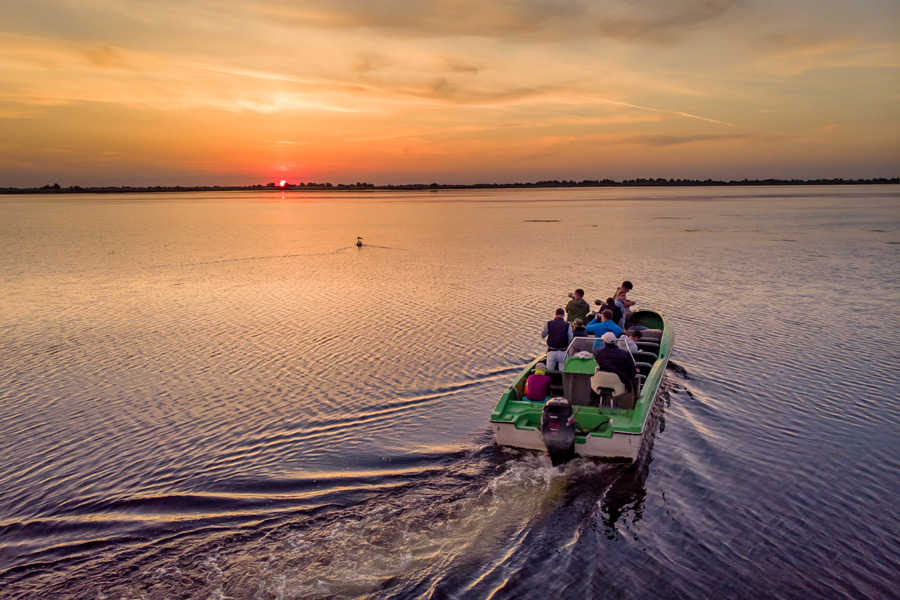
(453, 92)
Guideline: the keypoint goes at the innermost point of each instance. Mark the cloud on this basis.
(649, 21)
(106, 57)
(661, 141)
(361, 83)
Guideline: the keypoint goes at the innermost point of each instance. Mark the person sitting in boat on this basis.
(558, 333)
(612, 359)
(577, 307)
(605, 324)
(621, 298)
(578, 328)
(537, 386)
(628, 340)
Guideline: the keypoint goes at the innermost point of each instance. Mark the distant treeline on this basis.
(555, 183)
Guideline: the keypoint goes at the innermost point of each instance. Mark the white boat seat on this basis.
(609, 388)
(607, 380)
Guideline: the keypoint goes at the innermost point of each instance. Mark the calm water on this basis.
(219, 396)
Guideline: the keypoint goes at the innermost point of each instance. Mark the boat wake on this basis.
(466, 524)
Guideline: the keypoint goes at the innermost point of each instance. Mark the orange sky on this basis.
(113, 92)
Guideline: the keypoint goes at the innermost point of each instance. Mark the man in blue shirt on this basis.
(598, 327)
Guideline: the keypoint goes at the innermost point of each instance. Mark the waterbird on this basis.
(358, 241)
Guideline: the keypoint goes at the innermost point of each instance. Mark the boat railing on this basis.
(580, 344)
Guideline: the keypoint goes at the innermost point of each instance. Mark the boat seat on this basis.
(643, 367)
(607, 388)
(651, 335)
(648, 346)
(641, 356)
(607, 380)
(556, 382)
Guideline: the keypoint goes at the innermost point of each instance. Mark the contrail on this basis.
(657, 110)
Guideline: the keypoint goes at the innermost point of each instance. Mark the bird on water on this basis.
(358, 241)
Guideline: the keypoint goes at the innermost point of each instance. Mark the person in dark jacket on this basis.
(578, 328)
(577, 307)
(613, 359)
(615, 308)
(558, 333)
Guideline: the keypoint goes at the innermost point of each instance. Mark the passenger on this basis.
(537, 386)
(605, 324)
(577, 307)
(578, 329)
(614, 306)
(628, 340)
(621, 298)
(612, 359)
(558, 334)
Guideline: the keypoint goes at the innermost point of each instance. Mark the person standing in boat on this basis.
(577, 307)
(604, 324)
(558, 333)
(621, 298)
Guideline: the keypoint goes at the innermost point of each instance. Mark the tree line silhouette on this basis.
(55, 188)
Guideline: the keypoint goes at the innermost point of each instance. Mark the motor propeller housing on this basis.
(558, 430)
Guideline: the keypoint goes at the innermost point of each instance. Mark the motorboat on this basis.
(580, 417)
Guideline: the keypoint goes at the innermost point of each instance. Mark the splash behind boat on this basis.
(576, 421)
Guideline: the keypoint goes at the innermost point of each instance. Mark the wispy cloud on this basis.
(531, 20)
(455, 84)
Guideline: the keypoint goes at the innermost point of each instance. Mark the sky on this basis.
(240, 92)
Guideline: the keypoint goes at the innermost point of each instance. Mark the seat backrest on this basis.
(605, 379)
(648, 346)
(651, 335)
(641, 356)
(643, 367)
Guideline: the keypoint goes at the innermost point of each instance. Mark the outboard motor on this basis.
(558, 430)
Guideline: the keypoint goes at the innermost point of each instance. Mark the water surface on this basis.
(220, 396)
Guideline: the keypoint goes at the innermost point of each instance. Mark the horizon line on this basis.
(554, 183)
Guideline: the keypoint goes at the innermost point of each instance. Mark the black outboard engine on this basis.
(558, 430)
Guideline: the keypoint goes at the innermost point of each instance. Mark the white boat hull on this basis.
(624, 446)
